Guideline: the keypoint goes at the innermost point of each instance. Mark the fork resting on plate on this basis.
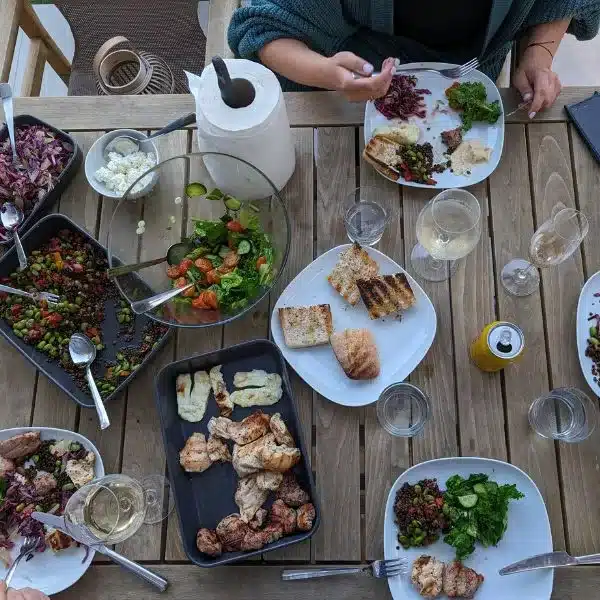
(379, 569)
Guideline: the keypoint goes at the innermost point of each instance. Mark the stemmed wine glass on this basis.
(553, 242)
(111, 509)
(448, 228)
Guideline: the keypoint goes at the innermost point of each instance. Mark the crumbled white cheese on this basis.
(121, 171)
(178, 200)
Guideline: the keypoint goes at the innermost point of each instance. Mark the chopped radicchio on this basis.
(403, 100)
(44, 157)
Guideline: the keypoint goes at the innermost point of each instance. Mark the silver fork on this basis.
(379, 569)
(7, 103)
(27, 548)
(452, 73)
(35, 296)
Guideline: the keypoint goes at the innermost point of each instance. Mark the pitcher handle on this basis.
(557, 208)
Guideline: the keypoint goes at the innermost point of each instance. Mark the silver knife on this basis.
(548, 561)
(59, 523)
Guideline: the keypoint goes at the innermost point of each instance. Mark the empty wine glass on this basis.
(111, 509)
(553, 242)
(448, 228)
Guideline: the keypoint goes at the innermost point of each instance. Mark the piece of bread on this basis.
(356, 352)
(305, 326)
(353, 263)
(386, 294)
(382, 153)
(401, 133)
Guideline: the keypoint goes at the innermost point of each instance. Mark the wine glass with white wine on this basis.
(111, 509)
(448, 228)
(553, 242)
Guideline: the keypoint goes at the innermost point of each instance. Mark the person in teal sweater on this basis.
(323, 43)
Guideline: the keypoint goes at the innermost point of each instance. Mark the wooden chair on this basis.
(20, 13)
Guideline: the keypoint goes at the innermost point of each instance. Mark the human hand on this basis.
(365, 87)
(24, 594)
(535, 79)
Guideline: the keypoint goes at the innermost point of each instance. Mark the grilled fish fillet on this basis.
(305, 326)
(356, 352)
(386, 294)
(353, 263)
(428, 576)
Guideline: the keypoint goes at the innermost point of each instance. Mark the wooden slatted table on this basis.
(355, 461)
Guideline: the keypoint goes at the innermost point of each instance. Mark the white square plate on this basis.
(402, 344)
(490, 135)
(48, 571)
(588, 303)
(528, 533)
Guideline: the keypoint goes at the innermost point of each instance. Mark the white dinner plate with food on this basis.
(587, 307)
(401, 342)
(527, 534)
(440, 117)
(51, 572)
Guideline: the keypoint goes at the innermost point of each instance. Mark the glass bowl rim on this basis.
(222, 321)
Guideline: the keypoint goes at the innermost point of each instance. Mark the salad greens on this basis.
(470, 98)
(477, 510)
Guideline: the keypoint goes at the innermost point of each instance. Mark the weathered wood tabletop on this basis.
(355, 461)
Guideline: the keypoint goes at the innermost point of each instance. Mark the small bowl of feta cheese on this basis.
(114, 174)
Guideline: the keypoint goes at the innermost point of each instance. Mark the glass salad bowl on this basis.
(235, 232)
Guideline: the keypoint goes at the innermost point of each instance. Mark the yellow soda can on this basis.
(499, 344)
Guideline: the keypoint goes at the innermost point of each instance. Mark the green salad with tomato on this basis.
(232, 260)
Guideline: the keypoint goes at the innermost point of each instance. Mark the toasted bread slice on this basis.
(305, 326)
(386, 294)
(356, 352)
(382, 153)
(354, 263)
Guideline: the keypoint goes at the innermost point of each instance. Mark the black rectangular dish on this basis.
(203, 499)
(112, 336)
(43, 206)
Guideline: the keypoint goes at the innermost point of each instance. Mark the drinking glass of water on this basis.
(367, 212)
(564, 414)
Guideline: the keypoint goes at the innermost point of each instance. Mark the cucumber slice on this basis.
(479, 489)
(243, 247)
(232, 203)
(224, 251)
(195, 189)
(215, 194)
(468, 501)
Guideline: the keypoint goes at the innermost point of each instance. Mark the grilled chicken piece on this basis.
(259, 520)
(20, 446)
(255, 540)
(217, 450)
(249, 497)
(269, 480)
(386, 294)
(243, 432)
(44, 483)
(208, 542)
(460, 581)
(305, 517)
(279, 458)
(291, 493)
(231, 532)
(283, 515)
(220, 390)
(279, 428)
(194, 456)
(428, 576)
(248, 459)
(6, 466)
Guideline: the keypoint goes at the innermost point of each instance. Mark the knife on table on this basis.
(548, 561)
(59, 523)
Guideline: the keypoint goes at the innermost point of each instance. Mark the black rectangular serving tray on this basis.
(203, 499)
(42, 231)
(45, 204)
(586, 117)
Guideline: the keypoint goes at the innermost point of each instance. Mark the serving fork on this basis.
(27, 548)
(35, 296)
(379, 569)
(451, 73)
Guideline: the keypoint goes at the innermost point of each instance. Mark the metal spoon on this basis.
(175, 254)
(135, 142)
(142, 306)
(7, 105)
(12, 216)
(83, 353)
